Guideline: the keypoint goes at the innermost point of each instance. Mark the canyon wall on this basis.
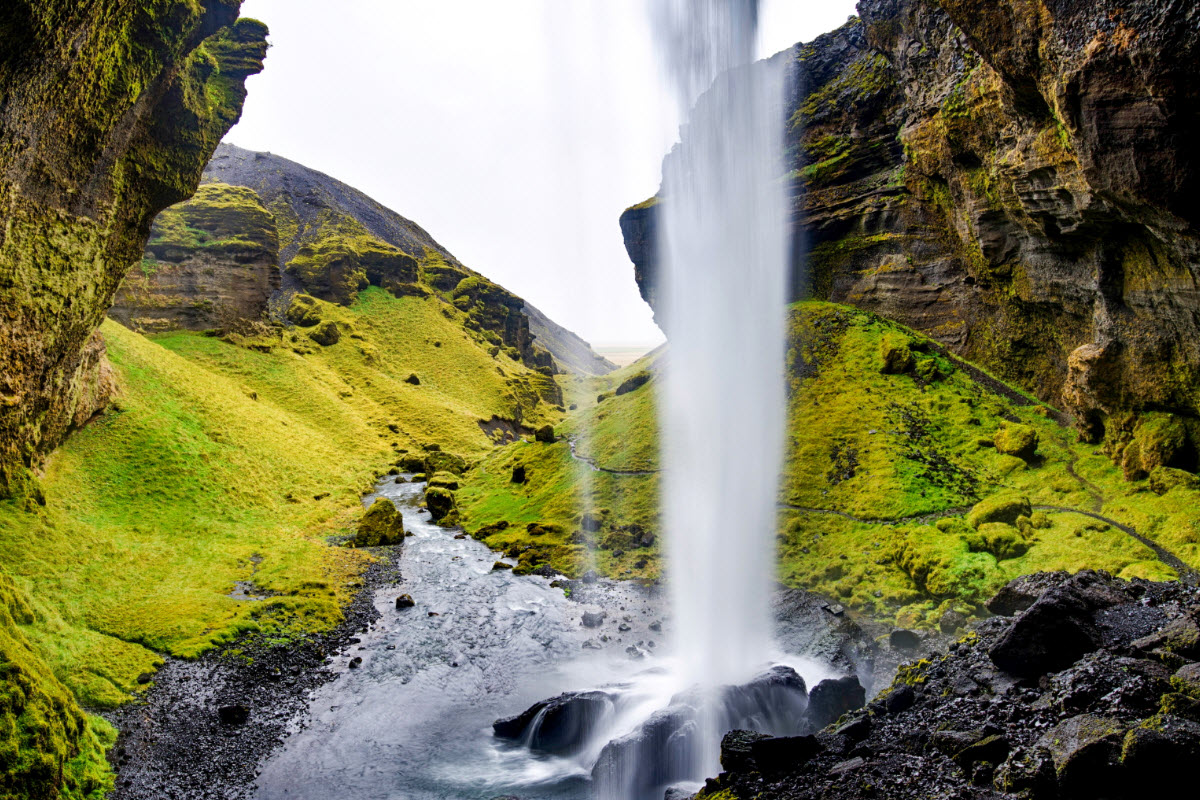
(108, 114)
(1016, 180)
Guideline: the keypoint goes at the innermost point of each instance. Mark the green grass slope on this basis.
(226, 461)
(891, 444)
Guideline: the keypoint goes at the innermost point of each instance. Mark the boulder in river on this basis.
(405, 601)
(381, 525)
(560, 725)
(440, 502)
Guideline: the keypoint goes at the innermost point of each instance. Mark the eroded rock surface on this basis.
(96, 137)
(1015, 179)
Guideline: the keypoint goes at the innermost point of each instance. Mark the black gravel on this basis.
(205, 726)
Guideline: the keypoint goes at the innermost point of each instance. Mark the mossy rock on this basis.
(545, 434)
(439, 461)
(895, 353)
(440, 502)
(411, 463)
(1001, 540)
(1001, 508)
(303, 310)
(1016, 440)
(633, 382)
(1164, 479)
(445, 480)
(381, 525)
(326, 333)
(1159, 440)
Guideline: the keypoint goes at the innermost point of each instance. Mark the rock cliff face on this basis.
(109, 112)
(210, 264)
(334, 241)
(1015, 179)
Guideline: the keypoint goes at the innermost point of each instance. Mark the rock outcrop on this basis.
(1090, 691)
(210, 264)
(1015, 179)
(334, 242)
(109, 113)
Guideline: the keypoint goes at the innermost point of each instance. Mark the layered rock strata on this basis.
(1016, 180)
(210, 264)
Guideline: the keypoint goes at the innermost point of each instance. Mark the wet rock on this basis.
(355, 662)
(145, 678)
(235, 714)
(778, 754)
(590, 522)
(405, 601)
(1051, 634)
(899, 699)
(1181, 637)
(560, 725)
(676, 793)
(833, 697)
(735, 750)
(590, 577)
(500, 565)
(593, 619)
(905, 640)
(952, 621)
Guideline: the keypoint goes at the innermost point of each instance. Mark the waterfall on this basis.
(724, 257)
(722, 294)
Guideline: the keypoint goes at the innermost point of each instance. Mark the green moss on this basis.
(344, 258)
(380, 525)
(861, 82)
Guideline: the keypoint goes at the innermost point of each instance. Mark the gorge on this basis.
(294, 503)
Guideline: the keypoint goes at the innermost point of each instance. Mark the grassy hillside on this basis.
(892, 443)
(226, 461)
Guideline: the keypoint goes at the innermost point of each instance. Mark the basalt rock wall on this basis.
(1014, 178)
(108, 113)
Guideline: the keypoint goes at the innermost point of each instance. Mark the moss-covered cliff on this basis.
(1015, 179)
(209, 264)
(336, 241)
(109, 113)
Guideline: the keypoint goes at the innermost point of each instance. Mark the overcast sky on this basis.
(515, 132)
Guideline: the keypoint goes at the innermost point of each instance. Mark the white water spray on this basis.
(723, 278)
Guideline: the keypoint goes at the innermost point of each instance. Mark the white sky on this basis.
(515, 132)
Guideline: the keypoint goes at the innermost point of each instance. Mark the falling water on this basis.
(724, 258)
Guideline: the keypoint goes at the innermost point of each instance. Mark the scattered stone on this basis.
(518, 474)
(545, 434)
(833, 697)
(952, 621)
(905, 640)
(325, 333)
(235, 714)
(590, 577)
(356, 662)
(145, 678)
(593, 619)
(413, 379)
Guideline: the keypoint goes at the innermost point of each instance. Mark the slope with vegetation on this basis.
(915, 483)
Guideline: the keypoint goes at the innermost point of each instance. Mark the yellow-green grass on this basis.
(903, 455)
(220, 463)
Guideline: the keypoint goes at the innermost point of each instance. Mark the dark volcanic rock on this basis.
(833, 697)
(561, 725)
(1108, 723)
